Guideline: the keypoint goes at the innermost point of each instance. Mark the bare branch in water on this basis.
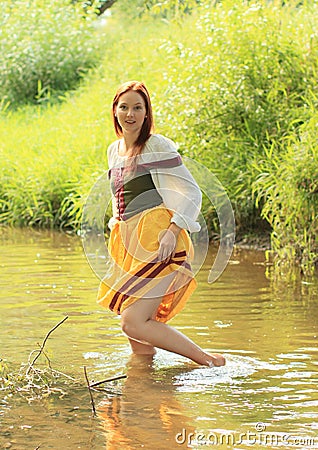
(63, 374)
(90, 392)
(119, 377)
(43, 344)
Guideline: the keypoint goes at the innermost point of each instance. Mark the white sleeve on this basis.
(177, 187)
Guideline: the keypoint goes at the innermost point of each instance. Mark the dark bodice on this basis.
(134, 191)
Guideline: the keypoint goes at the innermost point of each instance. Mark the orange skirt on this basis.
(136, 272)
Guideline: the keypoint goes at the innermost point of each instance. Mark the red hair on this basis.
(148, 125)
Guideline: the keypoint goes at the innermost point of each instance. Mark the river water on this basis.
(267, 327)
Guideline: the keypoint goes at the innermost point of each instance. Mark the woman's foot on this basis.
(216, 360)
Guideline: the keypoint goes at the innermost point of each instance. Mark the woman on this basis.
(155, 203)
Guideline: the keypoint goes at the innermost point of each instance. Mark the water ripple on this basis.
(198, 380)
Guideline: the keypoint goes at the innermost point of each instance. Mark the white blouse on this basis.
(173, 181)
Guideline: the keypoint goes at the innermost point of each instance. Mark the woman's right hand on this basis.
(168, 243)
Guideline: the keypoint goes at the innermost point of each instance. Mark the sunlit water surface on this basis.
(265, 397)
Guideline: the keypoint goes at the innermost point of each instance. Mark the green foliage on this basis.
(233, 83)
(247, 74)
(167, 9)
(45, 49)
(49, 158)
(288, 185)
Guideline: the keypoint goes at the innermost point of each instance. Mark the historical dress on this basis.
(148, 194)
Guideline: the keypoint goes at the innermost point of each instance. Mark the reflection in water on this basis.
(147, 414)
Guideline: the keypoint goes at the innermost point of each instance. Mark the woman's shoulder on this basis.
(112, 147)
(161, 151)
(160, 143)
(112, 151)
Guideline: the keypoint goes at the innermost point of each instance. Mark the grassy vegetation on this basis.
(44, 49)
(233, 83)
(288, 186)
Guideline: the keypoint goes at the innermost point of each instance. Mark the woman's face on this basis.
(131, 112)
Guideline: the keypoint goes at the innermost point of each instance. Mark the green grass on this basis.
(288, 183)
(44, 52)
(234, 84)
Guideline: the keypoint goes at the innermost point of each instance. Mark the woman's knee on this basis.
(131, 326)
(136, 316)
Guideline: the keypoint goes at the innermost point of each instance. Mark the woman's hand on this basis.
(168, 243)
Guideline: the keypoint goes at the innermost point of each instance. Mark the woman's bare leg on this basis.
(141, 349)
(138, 324)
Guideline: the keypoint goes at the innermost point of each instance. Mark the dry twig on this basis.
(43, 344)
(119, 377)
(90, 392)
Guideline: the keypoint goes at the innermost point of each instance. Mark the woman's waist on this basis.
(129, 205)
(132, 214)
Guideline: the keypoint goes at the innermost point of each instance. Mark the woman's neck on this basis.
(128, 143)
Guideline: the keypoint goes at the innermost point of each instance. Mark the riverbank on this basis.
(254, 242)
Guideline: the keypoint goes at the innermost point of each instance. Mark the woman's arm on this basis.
(179, 191)
(177, 187)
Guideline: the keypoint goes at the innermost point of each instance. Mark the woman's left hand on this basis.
(168, 243)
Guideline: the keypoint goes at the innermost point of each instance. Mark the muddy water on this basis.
(265, 397)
